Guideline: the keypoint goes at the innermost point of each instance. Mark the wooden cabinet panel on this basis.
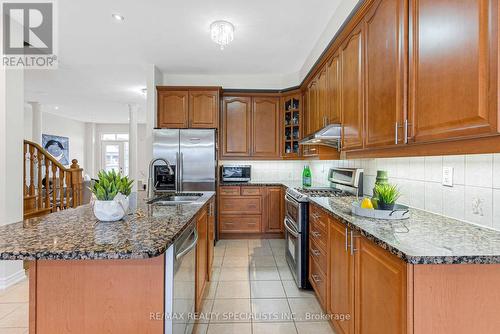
(229, 191)
(341, 277)
(319, 255)
(172, 109)
(236, 126)
(380, 290)
(210, 238)
(265, 127)
(352, 90)
(384, 26)
(240, 224)
(201, 257)
(312, 107)
(322, 113)
(317, 234)
(251, 191)
(333, 90)
(204, 109)
(453, 68)
(240, 205)
(275, 210)
(318, 282)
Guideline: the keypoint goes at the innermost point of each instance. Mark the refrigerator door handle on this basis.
(177, 168)
(181, 172)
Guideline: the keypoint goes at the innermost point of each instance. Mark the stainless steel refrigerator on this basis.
(191, 154)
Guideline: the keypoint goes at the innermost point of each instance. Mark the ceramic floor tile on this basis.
(234, 274)
(235, 261)
(277, 243)
(274, 328)
(267, 289)
(211, 288)
(271, 310)
(5, 309)
(280, 261)
(219, 251)
(215, 273)
(17, 330)
(234, 252)
(235, 289)
(231, 310)
(285, 273)
(264, 274)
(234, 328)
(200, 328)
(305, 309)
(17, 293)
(262, 261)
(17, 318)
(236, 244)
(259, 243)
(217, 261)
(206, 311)
(292, 291)
(259, 251)
(314, 327)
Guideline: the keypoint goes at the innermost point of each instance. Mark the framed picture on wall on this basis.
(58, 147)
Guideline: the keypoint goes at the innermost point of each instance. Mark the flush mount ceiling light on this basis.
(118, 17)
(222, 33)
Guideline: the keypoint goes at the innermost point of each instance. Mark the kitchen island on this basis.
(88, 276)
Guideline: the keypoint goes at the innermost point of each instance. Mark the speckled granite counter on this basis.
(76, 233)
(424, 238)
(285, 183)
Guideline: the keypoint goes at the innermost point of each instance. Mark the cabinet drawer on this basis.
(240, 205)
(239, 224)
(250, 191)
(229, 191)
(317, 235)
(318, 282)
(319, 219)
(318, 254)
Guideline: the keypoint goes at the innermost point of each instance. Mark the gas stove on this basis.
(302, 194)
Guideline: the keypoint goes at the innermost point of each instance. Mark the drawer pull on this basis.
(316, 278)
(316, 234)
(315, 252)
(315, 216)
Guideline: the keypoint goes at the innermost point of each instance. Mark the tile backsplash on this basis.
(474, 196)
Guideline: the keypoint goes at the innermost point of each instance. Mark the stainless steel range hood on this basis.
(330, 135)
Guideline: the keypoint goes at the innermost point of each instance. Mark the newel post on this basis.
(76, 182)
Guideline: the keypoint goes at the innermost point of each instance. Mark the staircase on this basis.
(48, 185)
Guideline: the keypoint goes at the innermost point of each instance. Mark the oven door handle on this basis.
(293, 201)
(291, 229)
(190, 247)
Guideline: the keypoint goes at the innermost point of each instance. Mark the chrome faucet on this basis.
(151, 187)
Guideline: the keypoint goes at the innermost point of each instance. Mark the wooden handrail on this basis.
(49, 186)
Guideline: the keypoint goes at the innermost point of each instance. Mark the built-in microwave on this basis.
(236, 173)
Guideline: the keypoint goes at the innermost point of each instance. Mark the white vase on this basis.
(109, 211)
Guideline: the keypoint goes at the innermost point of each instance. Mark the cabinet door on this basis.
(453, 68)
(333, 90)
(322, 118)
(204, 109)
(201, 257)
(341, 277)
(352, 90)
(384, 27)
(173, 109)
(236, 126)
(312, 107)
(381, 294)
(275, 210)
(265, 127)
(210, 238)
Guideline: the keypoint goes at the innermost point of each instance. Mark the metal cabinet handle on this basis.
(315, 252)
(406, 124)
(352, 242)
(316, 234)
(316, 278)
(346, 237)
(191, 246)
(396, 127)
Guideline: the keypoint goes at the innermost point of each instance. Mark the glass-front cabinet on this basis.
(292, 125)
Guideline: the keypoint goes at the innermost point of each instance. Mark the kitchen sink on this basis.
(176, 198)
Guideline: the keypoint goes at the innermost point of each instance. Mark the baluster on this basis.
(62, 206)
(68, 188)
(47, 176)
(25, 187)
(39, 156)
(54, 187)
(32, 172)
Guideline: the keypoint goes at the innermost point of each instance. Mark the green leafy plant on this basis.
(109, 184)
(387, 193)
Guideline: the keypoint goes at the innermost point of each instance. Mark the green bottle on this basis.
(306, 176)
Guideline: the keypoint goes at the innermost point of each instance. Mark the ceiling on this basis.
(272, 37)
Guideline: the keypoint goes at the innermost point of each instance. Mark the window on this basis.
(115, 152)
(115, 136)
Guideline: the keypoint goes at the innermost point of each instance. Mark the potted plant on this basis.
(111, 192)
(387, 195)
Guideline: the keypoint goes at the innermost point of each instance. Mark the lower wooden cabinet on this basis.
(251, 210)
(210, 238)
(201, 257)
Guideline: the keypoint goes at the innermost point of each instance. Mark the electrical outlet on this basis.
(448, 176)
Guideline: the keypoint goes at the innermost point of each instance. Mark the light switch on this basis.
(448, 176)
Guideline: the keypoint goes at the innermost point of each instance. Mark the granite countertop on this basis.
(285, 183)
(76, 234)
(424, 238)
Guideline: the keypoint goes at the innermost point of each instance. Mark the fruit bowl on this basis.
(399, 212)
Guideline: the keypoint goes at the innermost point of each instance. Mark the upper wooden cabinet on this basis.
(322, 107)
(251, 127)
(236, 120)
(173, 108)
(351, 54)
(265, 127)
(204, 109)
(453, 68)
(181, 108)
(333, 90)
(384, 44)
(312, 107)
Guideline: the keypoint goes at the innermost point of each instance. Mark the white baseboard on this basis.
(10, 280)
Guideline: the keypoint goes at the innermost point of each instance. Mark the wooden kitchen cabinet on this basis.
(265, 127)
(453, 57)
(201, 257)
(173, 108)
(333, 90)
(385, 50)
(188, 107)
(351, 54)
(275, 209)
(322, 112)
(210, 238)
(204, 109)
(312, 113)
(236, 128)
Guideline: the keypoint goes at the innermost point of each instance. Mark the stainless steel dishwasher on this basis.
(180, 278)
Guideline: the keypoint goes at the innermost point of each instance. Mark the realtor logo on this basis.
(28, 34)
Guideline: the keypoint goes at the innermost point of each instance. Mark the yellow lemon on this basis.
(366, 203)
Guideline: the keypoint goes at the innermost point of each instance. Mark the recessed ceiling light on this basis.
(56, 107)
(118, 17)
